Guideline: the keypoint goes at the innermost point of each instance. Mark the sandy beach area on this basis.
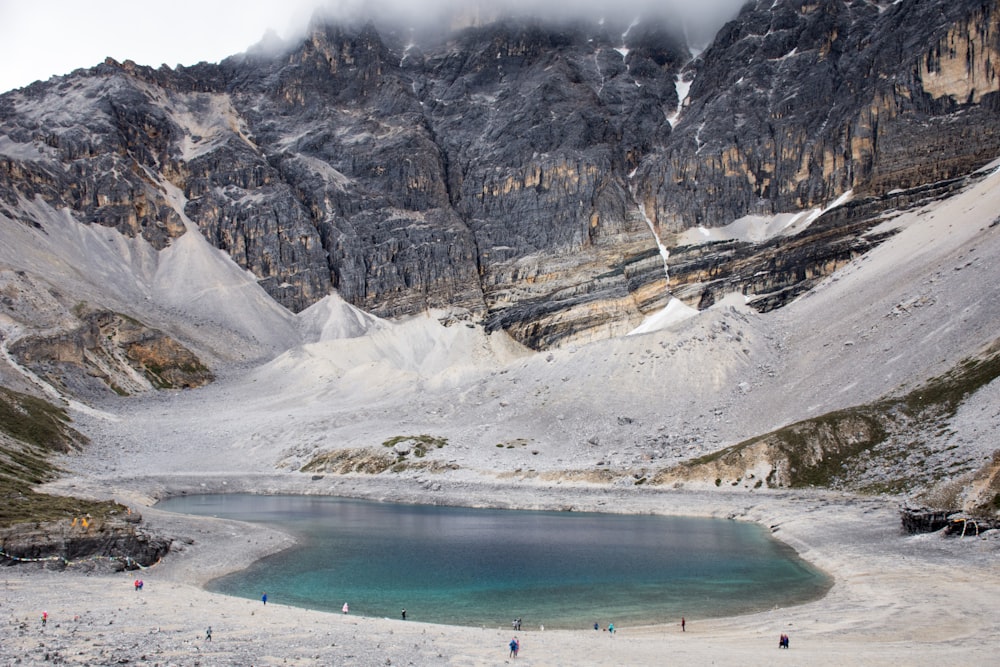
(896, 600)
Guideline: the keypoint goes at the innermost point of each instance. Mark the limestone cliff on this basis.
(526, 171)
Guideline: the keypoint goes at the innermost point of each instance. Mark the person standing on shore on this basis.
(208, 633)
(263, 598)
(683, 623)
(346, 608)
(404, 614)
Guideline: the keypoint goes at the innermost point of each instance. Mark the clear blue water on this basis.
(463, 566)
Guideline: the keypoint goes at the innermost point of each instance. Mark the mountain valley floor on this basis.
(897, 599)
(522, 430)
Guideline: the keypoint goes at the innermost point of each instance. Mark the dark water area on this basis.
(475, 567)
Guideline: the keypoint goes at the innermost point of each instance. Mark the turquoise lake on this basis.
(475, 567)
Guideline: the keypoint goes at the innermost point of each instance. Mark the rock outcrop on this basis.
(86, 351)
(108, 545)
(112, 351)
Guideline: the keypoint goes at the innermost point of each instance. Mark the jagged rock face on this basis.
(798, 102)
(113, 352)
(85, 145)
(519, 169)
(86, 351)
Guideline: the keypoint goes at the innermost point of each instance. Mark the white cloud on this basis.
(44, 38)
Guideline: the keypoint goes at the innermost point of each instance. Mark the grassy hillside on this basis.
(31, 431)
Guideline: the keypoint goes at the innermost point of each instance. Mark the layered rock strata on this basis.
(525, 171)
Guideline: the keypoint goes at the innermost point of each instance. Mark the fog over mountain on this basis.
(43, 39)
(702, 19)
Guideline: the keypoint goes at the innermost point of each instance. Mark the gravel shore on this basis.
(897, 599)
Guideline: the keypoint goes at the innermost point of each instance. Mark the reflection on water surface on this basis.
(486, 567)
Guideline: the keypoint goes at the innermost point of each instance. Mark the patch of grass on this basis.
(21, 505)
(346, 461)
(513, 444)
(944, 394)
(885, 488)
(824, 450)
(33, 431)
(419, 444)
(36, 422)
(842, 435)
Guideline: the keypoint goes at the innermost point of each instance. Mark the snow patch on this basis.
(759, 228)
(682, 87)
(675, 311)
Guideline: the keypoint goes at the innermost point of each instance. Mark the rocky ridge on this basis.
(526, 171)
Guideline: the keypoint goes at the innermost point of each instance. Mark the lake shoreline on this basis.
(896, 599)
(632, 568)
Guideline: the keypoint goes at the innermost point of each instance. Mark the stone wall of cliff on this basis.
(523, 171)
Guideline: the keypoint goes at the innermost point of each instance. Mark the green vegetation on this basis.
(346, 461)
(175, 374)
(373, 461)
(419, 444)
(943, 395)
(831, 448)
(31, 430)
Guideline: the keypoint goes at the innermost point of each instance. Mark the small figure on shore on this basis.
(611, 629)
(346, 608)
(683, 624)
(45, 618)
(404, 614)
(515, 646)
(208, 633)
(596, 626)
(263, 597)
(783, 641)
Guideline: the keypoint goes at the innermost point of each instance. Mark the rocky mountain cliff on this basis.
(540, 175)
